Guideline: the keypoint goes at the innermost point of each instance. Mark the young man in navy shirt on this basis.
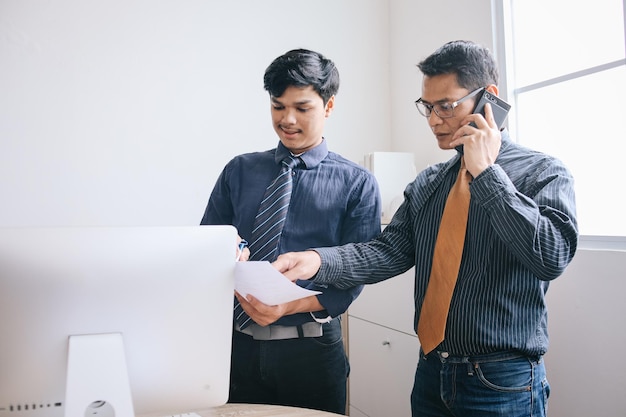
(293, 354)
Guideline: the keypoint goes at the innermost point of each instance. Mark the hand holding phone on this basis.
(499, 108)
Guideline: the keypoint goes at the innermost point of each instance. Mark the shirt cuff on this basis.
(331, 266)
(326, 319)
(490, 185)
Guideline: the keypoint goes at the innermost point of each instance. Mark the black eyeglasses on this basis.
(443, 110)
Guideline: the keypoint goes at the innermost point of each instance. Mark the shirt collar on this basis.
(311, 158)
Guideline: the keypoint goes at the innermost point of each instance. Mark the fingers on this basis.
(474, 122)
(491, 121)
(262, 314)
(242, 300)
(298, 265)
(251, 303)
(245, 254)
(482, 121)
(481, 140)
(242, 252)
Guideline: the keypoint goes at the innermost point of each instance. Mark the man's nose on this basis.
(434, 119)
(289, 116)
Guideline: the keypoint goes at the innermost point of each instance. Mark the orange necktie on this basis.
(446, 263)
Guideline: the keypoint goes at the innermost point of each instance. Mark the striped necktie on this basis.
(446, 264)
(269, 222)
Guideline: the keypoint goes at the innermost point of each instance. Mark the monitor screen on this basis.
(115, 321)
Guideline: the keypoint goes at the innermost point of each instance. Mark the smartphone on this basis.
(499, 107)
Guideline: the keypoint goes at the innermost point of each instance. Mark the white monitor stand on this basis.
(97, 377)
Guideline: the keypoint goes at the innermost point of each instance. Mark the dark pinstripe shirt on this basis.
(521, 234)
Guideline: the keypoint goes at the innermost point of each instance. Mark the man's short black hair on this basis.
(302, 68)
(473, 64)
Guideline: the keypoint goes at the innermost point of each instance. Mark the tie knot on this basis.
(464, 175)
(291, 162)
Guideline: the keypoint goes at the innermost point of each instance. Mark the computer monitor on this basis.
(115, 322)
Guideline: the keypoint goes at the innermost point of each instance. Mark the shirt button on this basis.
(444, 355)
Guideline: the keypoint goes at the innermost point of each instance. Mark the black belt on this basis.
(278, 332)
(448, 357)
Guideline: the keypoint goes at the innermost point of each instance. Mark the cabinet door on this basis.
(389, 303)
(382, 365)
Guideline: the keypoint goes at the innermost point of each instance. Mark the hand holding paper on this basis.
(264, 282)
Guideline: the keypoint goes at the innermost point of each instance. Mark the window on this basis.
(565, 66)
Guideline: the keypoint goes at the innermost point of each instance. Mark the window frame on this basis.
(503, 49)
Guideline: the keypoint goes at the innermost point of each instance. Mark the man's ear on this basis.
(493, 89)
(330, 105)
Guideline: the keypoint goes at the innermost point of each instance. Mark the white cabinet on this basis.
(383, 349)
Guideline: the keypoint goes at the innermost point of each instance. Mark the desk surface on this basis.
(262, 410)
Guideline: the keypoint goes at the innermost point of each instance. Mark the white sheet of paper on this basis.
(264, 282)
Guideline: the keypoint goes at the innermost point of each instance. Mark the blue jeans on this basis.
(506, 384)
(307, 372)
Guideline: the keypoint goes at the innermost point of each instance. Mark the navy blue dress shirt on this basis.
(334, 201)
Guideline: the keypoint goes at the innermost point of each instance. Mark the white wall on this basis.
(123, 112)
